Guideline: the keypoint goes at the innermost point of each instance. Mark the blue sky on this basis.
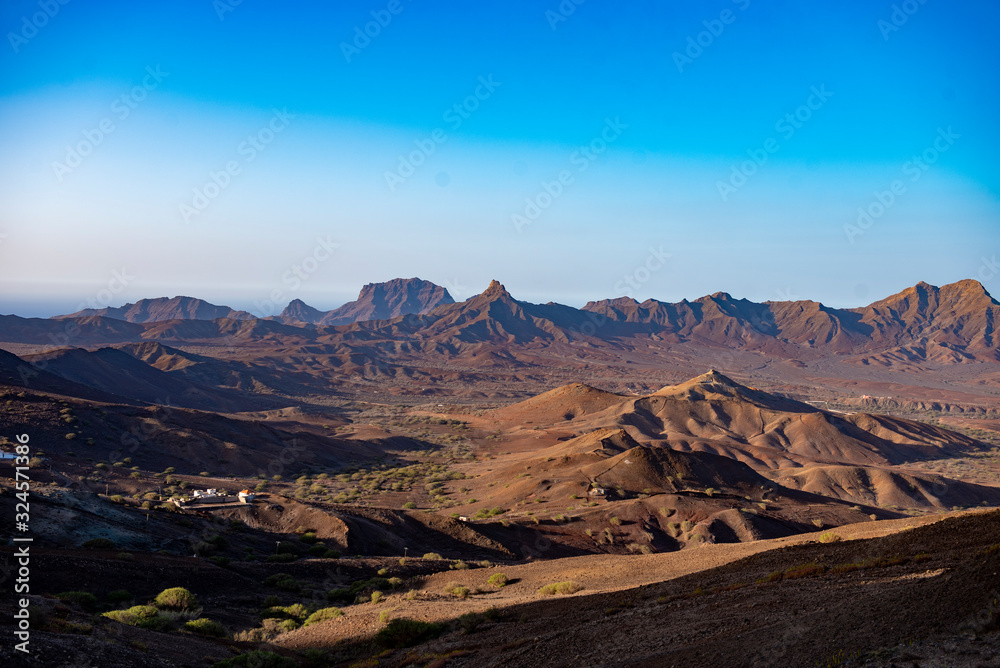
(245, 155)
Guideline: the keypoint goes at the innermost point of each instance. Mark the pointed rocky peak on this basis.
(495, 292)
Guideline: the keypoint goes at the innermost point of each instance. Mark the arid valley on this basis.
(495, 482)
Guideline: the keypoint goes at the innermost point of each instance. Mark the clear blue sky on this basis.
(314, 131)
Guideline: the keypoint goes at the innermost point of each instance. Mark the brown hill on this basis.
(377, 301)
(16, 372)
(116, 372)
(890, 489)
(163, 308)
(713, 413)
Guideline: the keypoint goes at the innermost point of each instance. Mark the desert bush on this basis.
(175, 598)
(409, 505)
(84, 599)
(457, 590)
(322, 615)
(433, 555)
(459, 565)
(318, 550)
(829, 537)
(257, 659)
(118, 596)
(377, 596)
(568, 587)
(282, 558)
(403, 632)
(143, 616)
(498, 580)
(205, 627)
(614, 521)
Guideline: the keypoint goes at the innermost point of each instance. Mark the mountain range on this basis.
(408, 336)
(952, 323)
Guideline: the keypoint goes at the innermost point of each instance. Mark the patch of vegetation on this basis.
(142, 616)
(284, 582)
(565, 588)
(433, 555)
(403, 632)
(498, 580)
(457, 590)
(84, 599)
(322, 615)
(175, 598)
(829, 537)
(205, 627)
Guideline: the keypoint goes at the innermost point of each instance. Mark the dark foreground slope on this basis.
(816, 604)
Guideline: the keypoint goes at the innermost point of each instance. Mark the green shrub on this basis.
(498, 580)
(282, 558)
(829, 537)
(257, 659)
(296, 611)
(143, 616)
(457, 590)
(175, 598)
(318, 550)
(568, 587)
(84, 599)
(118, 596)
(403, 632)
(377, 596)
(322, 615)
(433, 555)
(409, 505)
(116, 498)
(205, 627)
